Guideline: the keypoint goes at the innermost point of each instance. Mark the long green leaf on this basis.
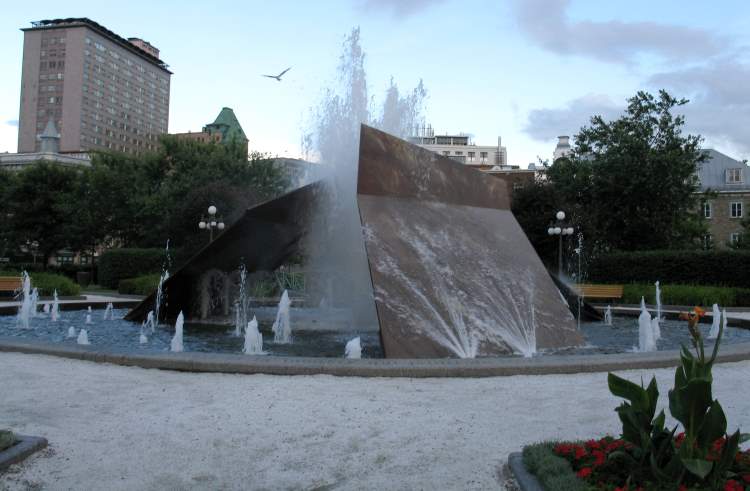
(699, 467)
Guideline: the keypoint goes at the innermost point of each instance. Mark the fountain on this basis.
(646, 340)
(55, 312)
(253, 339)
(715, 322)
(83, 337)
(24, 311)
(176, 344)
(34, 302)
(88, 315)
(72, 332)
(658, 301)
(160, 296)
(608, 316)
(142, 339)
(108, 312)
(353, 349)
(150, 321)
(45, 308)
(241, 303)
(282, 328)
(656, 329)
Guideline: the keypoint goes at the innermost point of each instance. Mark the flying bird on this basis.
(278, 77)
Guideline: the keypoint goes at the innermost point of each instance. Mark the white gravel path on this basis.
(123, 428)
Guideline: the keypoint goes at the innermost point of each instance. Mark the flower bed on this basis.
(648, 455)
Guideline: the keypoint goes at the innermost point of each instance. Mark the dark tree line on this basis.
(132, 201)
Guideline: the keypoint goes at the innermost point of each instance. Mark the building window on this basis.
(706, 210)
(734, 176)
(471, 156)
(446, 153)
(459, 153)
(735, 209)
(734, 238)
(708, 241)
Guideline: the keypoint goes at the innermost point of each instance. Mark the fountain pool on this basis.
(118, 335)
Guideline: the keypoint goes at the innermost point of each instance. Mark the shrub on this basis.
(687, 295)
(553, 472)
(7, 439)
(141, 285)
(120, 264)
(47, 283)
(720, 268)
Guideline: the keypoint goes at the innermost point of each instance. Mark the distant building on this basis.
(461, 148)
(224, 129)
(730, 180)
(102, 91)
(562, 149)
(49, 151)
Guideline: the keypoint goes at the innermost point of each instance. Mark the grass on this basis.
(554, 473)
(687, 295)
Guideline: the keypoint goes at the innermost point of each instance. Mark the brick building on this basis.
(727, 180)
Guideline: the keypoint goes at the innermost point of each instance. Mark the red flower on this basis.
(593, 445)
(732, 485)
(562, 449)
(624, 488)
(599, 457)
(682, 488)
(580, 452)
(746, 478)
(586, 471)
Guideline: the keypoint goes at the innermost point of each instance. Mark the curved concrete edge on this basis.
(526, 480)
(25, 446)
(369, 367)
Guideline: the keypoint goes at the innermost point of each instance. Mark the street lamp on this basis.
(211, 222)
(559, 228)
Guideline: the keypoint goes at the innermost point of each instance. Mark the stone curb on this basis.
(25, 446)
(526, 480)
(369, 367)
(79, 305)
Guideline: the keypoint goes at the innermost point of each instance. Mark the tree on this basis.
(38, 202)
(631, 183)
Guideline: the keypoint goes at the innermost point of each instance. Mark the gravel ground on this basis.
(124, 428)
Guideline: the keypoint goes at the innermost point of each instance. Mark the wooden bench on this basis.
(11, 284)
(588, 290)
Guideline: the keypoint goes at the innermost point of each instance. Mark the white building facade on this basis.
(461, 148)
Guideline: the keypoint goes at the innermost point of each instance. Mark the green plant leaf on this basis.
(714, 425)
(626, 389)
(699, 467)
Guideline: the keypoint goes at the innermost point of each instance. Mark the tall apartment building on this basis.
(461, 148)
(100, 90)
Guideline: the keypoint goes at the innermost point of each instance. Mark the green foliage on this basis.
(37, 204)
(534, 205)
(630, 183)
(721, 267)
(704, 453)
(120, 264)
(687, 295)
(7, 439)
(141, 285)
(554, 473)
(47, 283)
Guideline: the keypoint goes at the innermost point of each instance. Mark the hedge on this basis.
(120, 264)
(47, 283)
(719, 268)
(687, 295)
(141, 285)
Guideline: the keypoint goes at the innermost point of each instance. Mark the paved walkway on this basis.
(125, 428)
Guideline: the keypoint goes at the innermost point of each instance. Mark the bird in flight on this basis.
(278, 77)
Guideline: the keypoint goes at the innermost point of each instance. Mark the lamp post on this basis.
(559, 228)
(212, 222)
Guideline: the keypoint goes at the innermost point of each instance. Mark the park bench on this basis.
(10, 284)
(588, 290)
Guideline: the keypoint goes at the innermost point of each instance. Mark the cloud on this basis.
(719, 107)
(545, 22)
(544, 124)
(397, 7)
(12, 122)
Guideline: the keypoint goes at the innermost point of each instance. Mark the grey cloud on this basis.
(12, 122)
(719, 106)
(544, 124)
(545, 22)
(397, 7)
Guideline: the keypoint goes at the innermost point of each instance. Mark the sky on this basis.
(524, 70)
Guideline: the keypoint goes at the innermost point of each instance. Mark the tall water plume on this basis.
(335, 248)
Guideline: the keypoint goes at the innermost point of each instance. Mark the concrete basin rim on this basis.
(369, 367)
